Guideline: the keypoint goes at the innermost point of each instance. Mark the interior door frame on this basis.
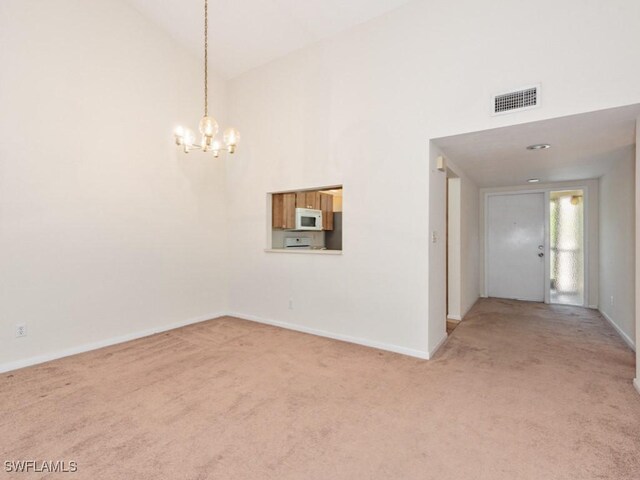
(546, 191)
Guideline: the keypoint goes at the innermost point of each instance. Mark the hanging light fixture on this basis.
(185, 138)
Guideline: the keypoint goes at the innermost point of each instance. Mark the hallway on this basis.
(520, 391)
(553, 383)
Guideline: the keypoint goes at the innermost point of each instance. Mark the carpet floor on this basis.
(520, 391)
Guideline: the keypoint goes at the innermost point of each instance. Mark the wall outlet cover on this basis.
(21, 330)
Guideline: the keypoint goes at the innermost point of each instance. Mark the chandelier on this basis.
(185, 138)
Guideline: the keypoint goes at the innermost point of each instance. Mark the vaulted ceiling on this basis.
(244, 34)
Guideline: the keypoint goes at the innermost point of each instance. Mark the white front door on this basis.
(515, 246)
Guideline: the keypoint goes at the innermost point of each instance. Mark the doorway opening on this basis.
(583, 179)
(535, 245)
(566, 247)
(453, 251)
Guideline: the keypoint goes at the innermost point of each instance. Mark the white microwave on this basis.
(308, 219)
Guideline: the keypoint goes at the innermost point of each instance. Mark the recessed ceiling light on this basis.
(533, 180)
(539, 146)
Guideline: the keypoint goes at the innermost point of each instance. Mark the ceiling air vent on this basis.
(518, 100)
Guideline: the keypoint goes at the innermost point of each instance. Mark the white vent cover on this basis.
(515, 101)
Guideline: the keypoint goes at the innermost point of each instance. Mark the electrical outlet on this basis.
(21, 330)
(291, 304)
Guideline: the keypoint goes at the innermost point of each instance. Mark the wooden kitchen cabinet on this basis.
(284, 208)
(277, 210)
(308, 200)
(289, 210)
(313, 200)
(283, 212)
(326, 205)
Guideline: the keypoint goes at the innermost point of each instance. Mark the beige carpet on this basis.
(520, 391)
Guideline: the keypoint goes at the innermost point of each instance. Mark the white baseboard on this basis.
(464, 314)
(336, 336)
(636, 383)
(624, 336)
(27, 362)
(442, 341)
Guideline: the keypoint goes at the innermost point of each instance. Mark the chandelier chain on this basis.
(206, 59)
(185, 138)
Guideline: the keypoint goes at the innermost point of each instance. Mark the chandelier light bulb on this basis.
(215, 147)
(208, 126)
(178, 133)
(189, 137)
(231, 138)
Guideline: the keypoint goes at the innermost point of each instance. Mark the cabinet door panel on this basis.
(289, 209)
(277, 210)
(326, 204)
(313, 200)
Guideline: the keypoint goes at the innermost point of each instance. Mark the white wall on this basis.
(469, 242)
(359, 109)
(636, 381)
(105, 230)
(454, 275)
(617, 246)
(436, 262)
(466, 258)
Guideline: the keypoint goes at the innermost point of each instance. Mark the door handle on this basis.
(541, 254)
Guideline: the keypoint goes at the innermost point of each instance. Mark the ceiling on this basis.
(244, 34)
(582, 146)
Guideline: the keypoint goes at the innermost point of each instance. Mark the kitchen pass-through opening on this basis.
(306, 220)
